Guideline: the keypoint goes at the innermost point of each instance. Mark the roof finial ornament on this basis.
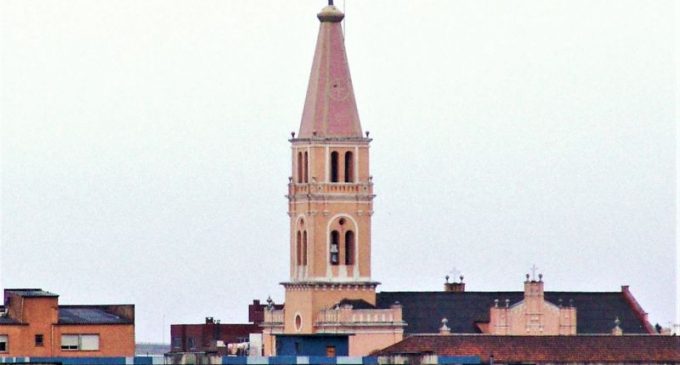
(533, 272)
(270, 303)
(330, 2)
(617, 331)
(444, 329)
(447, 279)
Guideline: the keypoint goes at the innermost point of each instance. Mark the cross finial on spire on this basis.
(533, 272)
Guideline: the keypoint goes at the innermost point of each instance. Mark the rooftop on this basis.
(31, 292)
(89, 314)
(596, 311)
(573, 349)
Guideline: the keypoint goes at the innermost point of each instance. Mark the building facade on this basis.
(330, 204)
(530, 312)
(533, 316)
(33, 324)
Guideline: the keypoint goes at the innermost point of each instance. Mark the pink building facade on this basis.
(533, 316)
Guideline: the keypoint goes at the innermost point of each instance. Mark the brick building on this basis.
(213, 337)
(33, 324)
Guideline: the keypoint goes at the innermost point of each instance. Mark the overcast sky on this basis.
(145, 155)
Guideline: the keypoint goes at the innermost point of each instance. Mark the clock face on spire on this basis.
(338, 89)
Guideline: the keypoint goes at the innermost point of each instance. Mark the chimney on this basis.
(454, 287)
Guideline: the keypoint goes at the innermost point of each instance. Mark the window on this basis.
(191, 344)
(335, 252)
(4, 343)
(349, 167)
(305, 167)
(304, 248)
(334, 166)
(69, 342)
(299, 167)
(89, 342)
(39, 341)
(299, 249)
(177, 342)
(80, 342)
(349, 248)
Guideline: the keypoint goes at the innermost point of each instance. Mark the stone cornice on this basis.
(330, 285)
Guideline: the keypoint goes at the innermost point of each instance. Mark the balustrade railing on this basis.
(341, 188)
(273, 317)
(341, 315)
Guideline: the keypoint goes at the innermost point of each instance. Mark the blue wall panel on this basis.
(313, 346)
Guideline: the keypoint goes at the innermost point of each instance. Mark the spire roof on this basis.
(330, 107)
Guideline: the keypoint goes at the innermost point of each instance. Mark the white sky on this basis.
(145, 153)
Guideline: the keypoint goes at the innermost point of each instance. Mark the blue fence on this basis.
(235, 360)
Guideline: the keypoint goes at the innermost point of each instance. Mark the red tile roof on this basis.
(595, 348)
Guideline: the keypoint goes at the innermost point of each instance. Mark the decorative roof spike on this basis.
(444, 329)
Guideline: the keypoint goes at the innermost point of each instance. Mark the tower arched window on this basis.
(334, 166)
(335, 248)
(299, 167)
(305, 168)
(349, 248)
(304, 248)
(298, 246)
(349, 167)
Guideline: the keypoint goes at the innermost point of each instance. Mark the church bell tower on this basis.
(330, 193)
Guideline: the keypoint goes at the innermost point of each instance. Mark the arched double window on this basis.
(302, 167)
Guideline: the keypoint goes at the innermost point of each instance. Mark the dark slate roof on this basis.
(423, 311)
(356, 303)
(7, 320)
(31, 292)
(545, 349)
(78, 314)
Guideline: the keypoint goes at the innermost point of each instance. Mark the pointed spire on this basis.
(330, 107)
